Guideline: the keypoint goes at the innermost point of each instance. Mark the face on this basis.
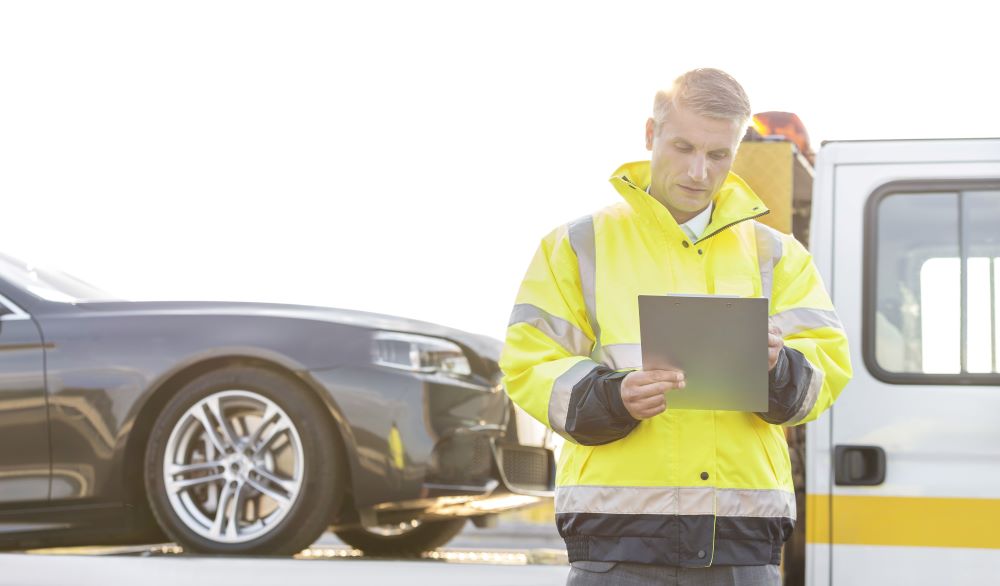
(691, 156)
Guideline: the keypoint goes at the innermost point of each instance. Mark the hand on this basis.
(774, 345)
(644, 391)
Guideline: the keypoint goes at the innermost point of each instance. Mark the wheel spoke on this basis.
(279, 444)
(269, 414)
(244, 431)
(182, 485)
(280, 426)
(282, 500)
(287, 485)
(220, 512)
(210, 449)
(197, 467)
(213, 436)
(212, 498)
(232, 528)
(215, 408)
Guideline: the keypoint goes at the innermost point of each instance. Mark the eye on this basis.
(718, 156)
(682, 147)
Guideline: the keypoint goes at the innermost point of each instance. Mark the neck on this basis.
(682, 217)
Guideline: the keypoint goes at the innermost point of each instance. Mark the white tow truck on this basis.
(898, 483)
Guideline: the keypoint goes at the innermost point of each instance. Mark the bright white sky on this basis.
(406, 157)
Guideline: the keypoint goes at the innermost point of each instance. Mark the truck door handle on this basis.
(859, 465)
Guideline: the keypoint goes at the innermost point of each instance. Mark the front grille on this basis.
(527, 468)
(462, 459)
(481, 457)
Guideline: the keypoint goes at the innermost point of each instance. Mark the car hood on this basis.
(485, 346)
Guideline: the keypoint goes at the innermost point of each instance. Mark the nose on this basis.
(697, 168)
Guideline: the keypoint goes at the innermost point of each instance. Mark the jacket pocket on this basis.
(573, 463)
(776, 453)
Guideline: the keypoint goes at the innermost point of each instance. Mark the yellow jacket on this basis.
(684, 488)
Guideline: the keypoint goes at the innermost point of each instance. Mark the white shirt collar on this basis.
(695, 227)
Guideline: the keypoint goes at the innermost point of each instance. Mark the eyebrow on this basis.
(684, 141)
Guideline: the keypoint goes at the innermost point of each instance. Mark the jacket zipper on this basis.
(731, 224)
(625, 179)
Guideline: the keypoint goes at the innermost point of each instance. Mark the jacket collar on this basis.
(734, 203)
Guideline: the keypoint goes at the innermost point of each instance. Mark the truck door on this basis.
(915, 438)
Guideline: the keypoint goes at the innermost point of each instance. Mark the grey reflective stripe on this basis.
(621, 356)
(812, 393)
(796, 320)
(675, 500)
(769, 250)
(559, 330)
(562, 390)
(635, 500)
(743, 502)
(581, 238)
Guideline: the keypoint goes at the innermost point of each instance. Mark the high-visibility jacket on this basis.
(686, 487)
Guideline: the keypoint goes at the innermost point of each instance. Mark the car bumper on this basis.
(520, 476)
(430, 445)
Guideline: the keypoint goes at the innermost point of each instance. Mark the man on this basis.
(647, 494)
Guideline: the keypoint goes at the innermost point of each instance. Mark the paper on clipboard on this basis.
(720, 343)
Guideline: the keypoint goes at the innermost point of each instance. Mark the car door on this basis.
(915, 438)
(24, 433)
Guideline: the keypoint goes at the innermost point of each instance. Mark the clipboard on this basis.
(719, 342)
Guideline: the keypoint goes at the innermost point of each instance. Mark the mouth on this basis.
(692, 189)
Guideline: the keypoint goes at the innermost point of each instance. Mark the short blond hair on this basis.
(708, 92)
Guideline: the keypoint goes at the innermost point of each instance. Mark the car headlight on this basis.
(419, 353)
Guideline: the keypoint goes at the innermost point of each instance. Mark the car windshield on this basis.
(51, 285)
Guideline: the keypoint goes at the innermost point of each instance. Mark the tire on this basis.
(427, 536)
(284, 474)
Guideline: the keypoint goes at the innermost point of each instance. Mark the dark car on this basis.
(246, 428)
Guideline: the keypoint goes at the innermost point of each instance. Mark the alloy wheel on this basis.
(233, 466)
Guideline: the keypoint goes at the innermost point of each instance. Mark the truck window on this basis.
(935, 274)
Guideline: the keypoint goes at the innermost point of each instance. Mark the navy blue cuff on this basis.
(596, 413)
(788, 383)
(777, 378)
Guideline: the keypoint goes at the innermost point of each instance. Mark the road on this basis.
(512, 553)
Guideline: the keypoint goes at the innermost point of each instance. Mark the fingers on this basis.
(774, 345)
(650, 403)
(653, 389)
(647, 377)
(775, 337)
(647, 407)
(643, 392)
(647, 412)
(642, 384)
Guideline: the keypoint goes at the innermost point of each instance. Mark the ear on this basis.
(650, 128)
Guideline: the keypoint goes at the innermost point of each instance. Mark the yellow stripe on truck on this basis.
(907, 521)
